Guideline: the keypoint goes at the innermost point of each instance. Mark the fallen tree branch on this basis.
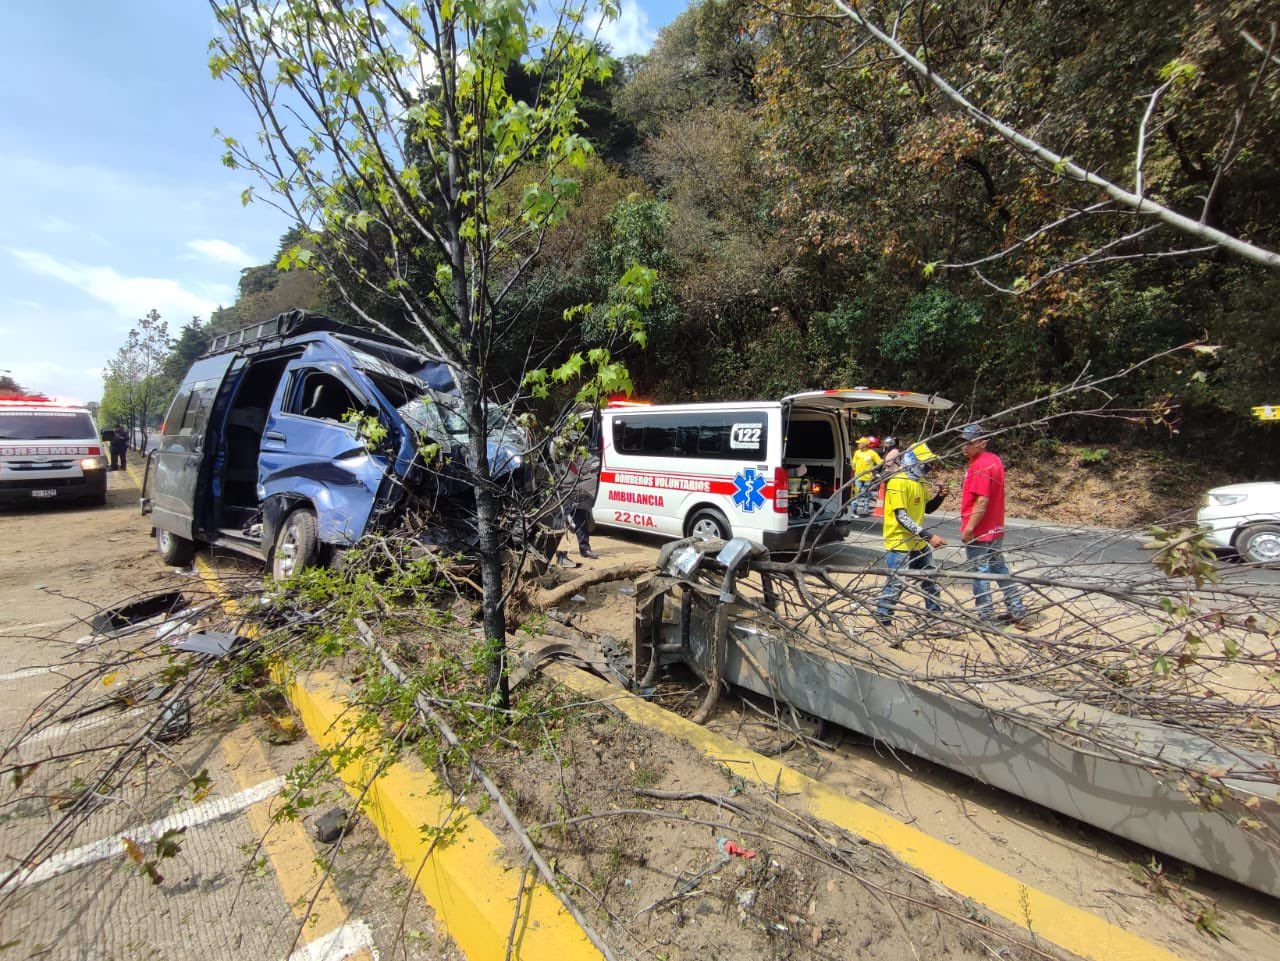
(621, 572)
(499, 799)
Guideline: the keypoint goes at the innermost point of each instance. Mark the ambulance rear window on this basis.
(811, 440)
(46, 425)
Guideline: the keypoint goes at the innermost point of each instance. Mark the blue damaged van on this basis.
(259, 454)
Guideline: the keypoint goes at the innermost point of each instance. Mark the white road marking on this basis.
(55, 731)
(113, 846)
(339, 944)
(15, 630)
(27, 672)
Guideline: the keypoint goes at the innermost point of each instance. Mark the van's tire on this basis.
(297, 545)
(1260, 544)
(176, 551)
(708, 522)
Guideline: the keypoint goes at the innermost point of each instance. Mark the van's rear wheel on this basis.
(176, 551)
(296, 545)
(710, 523)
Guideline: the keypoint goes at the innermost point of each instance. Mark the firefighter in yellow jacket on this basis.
(906, 542)
(865, 462)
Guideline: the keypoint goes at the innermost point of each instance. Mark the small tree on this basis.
(134, 386)
(422, 187)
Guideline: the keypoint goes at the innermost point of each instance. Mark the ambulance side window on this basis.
(712, 436)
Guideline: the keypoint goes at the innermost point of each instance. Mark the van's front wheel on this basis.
(296, 545)
(708, 523)
(176, 551)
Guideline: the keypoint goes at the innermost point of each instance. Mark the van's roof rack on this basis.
(288, 324)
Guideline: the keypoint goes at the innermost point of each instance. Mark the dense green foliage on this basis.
(800, 196)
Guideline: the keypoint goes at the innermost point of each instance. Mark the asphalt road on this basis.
(1086, 550)
(240, 885)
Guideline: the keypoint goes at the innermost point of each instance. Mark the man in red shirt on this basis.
(982, 526)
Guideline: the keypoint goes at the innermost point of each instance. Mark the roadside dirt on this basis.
(684, 860)
(1098, 486)
(45, 586)
(1091, 869)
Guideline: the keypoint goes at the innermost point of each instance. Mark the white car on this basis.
(1244, 518)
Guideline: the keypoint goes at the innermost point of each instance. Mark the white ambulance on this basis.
(49, 451)
(774, 472)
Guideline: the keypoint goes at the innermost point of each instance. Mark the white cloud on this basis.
(223, 252)
(129, 297)
(630, 32)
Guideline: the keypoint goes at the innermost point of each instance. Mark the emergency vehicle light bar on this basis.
(25, 399)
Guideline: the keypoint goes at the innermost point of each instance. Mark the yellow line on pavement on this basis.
(1049, 918)
(465, 877)
(310, 894)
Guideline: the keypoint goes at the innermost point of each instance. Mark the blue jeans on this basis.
(987, 557)
(917, 560)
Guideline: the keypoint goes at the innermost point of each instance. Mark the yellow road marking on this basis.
(1054, 920)
(466, 880)
(310, 895)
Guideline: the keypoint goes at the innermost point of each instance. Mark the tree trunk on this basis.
(488, 512)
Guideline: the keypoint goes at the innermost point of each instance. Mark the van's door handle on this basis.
(274, 435)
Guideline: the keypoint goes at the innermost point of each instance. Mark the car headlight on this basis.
(93, 463)
(1222, 500)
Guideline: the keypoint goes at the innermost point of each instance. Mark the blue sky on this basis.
(115, 200)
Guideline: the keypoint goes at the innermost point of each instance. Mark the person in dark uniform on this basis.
(106, 436)
(119, 447)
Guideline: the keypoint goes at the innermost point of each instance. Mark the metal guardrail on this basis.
(1022, 740)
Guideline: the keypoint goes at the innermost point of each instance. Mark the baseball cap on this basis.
(972, 432)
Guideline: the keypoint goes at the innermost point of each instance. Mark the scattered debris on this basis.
(213, 643)
(731, 850)
(131, 614)
(174, 722)
(332, 825)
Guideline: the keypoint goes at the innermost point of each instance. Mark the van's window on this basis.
(45, 425)
(321, 396)
(197, 412)
(713, 436)
(177, 412)
(811, 440)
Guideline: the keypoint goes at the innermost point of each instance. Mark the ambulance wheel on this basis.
(708, 523)
(296, 545)
(176, 551)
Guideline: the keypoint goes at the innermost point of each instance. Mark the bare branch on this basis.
(1064, 165)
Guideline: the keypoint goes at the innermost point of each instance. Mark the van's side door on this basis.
(177, 495)
(309, 450)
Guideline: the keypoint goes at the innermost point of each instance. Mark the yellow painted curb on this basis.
(472, 890)
(1051, 919)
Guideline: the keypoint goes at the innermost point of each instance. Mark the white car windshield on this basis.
(45, 425)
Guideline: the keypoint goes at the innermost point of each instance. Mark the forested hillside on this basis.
(820, 216)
